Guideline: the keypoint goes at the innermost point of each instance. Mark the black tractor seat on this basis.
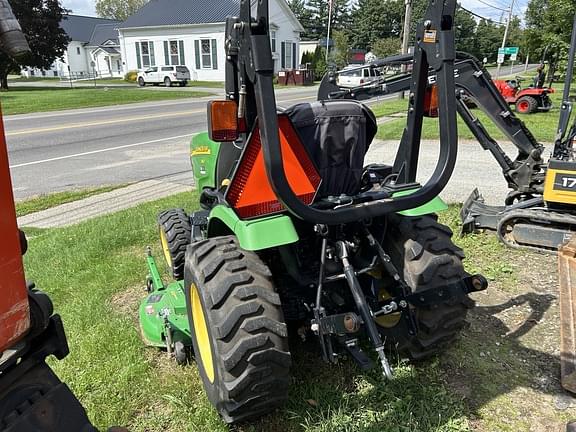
(337, 135)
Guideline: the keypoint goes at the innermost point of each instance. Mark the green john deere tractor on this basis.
(296, 234)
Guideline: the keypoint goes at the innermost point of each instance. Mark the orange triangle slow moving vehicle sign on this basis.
(250, 192)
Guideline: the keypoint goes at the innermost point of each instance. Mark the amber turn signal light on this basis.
(222, 120)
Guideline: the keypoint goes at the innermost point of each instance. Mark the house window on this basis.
(78, 50)
(273, 40)
(174, 52)
(206, 54)
(288, 54)
(145, 54)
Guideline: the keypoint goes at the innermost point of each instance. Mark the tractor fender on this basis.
(534, 92)
(253, 234)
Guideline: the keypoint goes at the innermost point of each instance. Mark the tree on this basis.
(341, 49)
(548, 27)
(304, 15)
(118, 9)
(40, 22)
(465, 32)
(385, 47)
(376, 19)
(320, 9)
(488, 39)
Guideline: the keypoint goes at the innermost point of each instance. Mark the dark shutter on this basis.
(138, 59)
(283, 55)
(197, 53)
(294, 56)
(214, 55)
(166, 53)
(181, 50)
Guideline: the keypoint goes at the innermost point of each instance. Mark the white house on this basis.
(93, 48)
(191, 33)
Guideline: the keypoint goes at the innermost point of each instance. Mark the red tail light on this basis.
(250, 192)
(361, 81)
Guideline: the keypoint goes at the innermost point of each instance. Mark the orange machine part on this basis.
(14, 307)
(250, 192)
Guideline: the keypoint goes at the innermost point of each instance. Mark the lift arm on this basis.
(524, 174)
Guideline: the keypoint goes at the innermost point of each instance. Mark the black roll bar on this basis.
(434, 48)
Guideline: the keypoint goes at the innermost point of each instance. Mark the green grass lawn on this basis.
(95, 273)
(44, 202)
(542, 125)
(21, 100)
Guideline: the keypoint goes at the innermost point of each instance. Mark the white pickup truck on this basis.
(356, 75)
(164, 75)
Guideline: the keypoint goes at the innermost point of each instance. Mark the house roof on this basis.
(103, 33)
(181, 12)
(109, 50)
(157, 13)
(80, 28)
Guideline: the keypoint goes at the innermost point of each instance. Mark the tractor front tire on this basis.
(175, 236)
(238, 331)
(526, 105)
(423, 252)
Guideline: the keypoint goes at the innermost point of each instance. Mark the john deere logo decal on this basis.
(202, 150)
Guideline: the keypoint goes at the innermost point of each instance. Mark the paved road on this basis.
(62, 150)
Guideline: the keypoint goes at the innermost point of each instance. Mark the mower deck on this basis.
(163, 316)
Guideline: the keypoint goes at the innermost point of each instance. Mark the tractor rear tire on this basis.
(238, 331)
(423, 252)
(526, 105)
(175, 236)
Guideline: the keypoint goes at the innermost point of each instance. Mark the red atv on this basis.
(528, 100)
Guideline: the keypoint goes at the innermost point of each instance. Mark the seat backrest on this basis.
(337, 135)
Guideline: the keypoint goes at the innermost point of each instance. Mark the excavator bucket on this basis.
(567, 276)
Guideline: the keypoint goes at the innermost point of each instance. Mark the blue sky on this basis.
(86, 7)
(80, 7)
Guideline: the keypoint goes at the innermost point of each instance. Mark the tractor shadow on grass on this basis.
(490, 361)
(512, 350)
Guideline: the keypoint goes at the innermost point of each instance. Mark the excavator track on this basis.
(538, 229)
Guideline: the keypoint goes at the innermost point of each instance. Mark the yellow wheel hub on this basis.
(165, 248)
(201, 333)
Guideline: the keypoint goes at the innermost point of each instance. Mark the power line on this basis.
(492, 6)
(481, 17)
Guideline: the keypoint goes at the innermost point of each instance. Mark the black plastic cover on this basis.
(337, 135)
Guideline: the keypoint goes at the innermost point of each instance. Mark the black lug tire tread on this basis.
(176, 225)
(246, 327)
(533, 102)
(422, 250)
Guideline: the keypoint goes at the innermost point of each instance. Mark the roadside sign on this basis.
(513, 56)
(509, 50)
(500, 58)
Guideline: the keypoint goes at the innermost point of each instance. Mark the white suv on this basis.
(164, 75)
(355, 76)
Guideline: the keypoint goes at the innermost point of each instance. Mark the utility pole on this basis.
(329, 22)
(505, 35)
(406, 31)
(406, 34)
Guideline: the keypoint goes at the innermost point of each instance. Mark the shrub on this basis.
(131, 76)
